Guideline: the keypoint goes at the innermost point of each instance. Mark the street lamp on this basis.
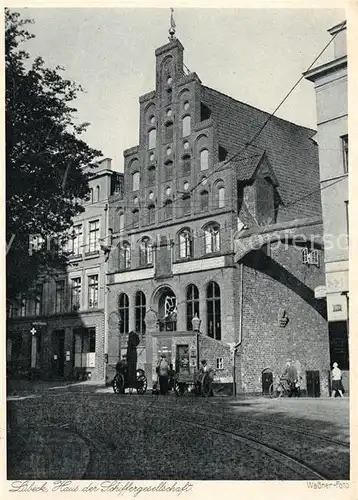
(196, 328)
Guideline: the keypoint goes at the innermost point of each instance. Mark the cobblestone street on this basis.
(95, 434)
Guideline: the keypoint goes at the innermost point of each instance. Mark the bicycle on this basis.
(281, 389)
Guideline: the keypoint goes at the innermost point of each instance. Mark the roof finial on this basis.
(172, 25)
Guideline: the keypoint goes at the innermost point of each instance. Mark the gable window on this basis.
(168, 132)
(93, 291)
(212, 238)
(135, 181)
(151, 214)
(204, 201)
(345, 153)
(93, 236)
(168, 209)
(146, 252)
(151, 175)
(135, 218)
(185, 244)
(123, 311)
(76, 293)
(152, 138)
(186, 205)
(125, 256)
(139, 313)
(192, 305)
(186, 126)
(213, 311)
(186, 165)
(204, 159)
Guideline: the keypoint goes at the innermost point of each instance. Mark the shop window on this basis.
(85, 347)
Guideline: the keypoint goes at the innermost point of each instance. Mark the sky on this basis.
(253, 55)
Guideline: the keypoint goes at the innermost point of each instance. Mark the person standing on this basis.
(163, 372)
(337, 381)
(292, 377)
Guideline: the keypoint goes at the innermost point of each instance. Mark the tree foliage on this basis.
(47, 162)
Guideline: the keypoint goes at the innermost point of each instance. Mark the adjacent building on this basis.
(330, 83)
(217, 226)
(61, 334)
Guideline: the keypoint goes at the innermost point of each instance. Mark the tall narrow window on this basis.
(185, 244)
(123, 312)
(135, 218)
(93, 291)
(93, 236)
(186, 205)
(76, 240)
(213, 311)
(192, 305)
(151, 175)
(151, 214)
(346, 203)
(168, 170)
(91, 196)
(135, 181)
(146, 252)
(98, 193)
(152, 138)
(60, 296)
(221, 196)
(140, 313)
(204, 201)
(186, 126)
(23, 306)
(121, 223)
(186, 165)
(76, 294)
(204, 159)
(168, 210)
(38, 300)
(126, 256)
(168, 132)
(212, 238)
(345, 152)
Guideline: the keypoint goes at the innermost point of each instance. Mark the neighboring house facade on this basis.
(330, 81)
(62, 333)
(193, 188)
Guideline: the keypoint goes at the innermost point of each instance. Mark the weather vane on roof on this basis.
(172, 25)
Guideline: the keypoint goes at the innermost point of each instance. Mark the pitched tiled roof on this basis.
(292, 154)
(246, 166)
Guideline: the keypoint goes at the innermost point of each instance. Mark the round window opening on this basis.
(152, 119)
(186, 186)
(169, 80)
(169, 112)
(135, 200)
(186, 105)
(186, 145)
(169, 150)
(151, 195)
(168, 191)
(151, 156)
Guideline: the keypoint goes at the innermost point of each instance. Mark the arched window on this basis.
(186, 202)
(221, 196)
(135, 218)
(123, 311)
(121, 223)
(135, 181)
(146, 252)
(98, 190)
(151, 175)
(185, 244)
(213, 311)
(91, 196)
(212, 238)
(168, 133)
(186, 126)
(151, 214)
(125, 256)
(192, 305)
(204, 201)
(168, 210)
(139, 313)
(204, 159)
(168, 170)
(152, 138)
(186, 165)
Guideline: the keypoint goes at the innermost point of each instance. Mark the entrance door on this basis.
(313, 383)
(267, 380)
(58, 353)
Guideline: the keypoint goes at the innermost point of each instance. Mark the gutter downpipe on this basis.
(236, 347)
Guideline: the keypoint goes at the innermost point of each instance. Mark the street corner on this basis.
(46, 453)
